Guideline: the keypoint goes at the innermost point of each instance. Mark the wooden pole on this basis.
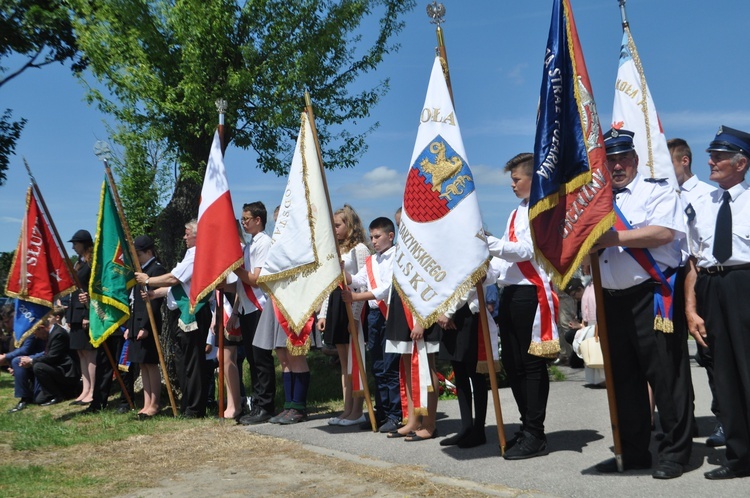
(436, 12)
(51, 223)
(149, 309)
(601, 323)
(491, 368)
(353, 332)
(221, 106)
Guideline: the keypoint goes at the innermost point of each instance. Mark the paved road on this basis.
(578, 433)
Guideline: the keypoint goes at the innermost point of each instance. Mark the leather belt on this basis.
(714, 270)
(630, 290)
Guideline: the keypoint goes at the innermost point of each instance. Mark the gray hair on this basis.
(192, 225)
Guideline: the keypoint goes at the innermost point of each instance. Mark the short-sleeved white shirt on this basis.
(703, 226)
(644, 203)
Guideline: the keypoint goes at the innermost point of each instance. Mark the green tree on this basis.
(163, 63)
(37, 33)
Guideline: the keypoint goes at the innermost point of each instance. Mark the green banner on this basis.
(111, 273)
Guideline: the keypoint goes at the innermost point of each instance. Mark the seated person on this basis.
(20, 362)
(57, 371)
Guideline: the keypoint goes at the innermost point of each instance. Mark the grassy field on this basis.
(59, 451)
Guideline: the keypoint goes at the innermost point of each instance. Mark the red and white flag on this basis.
(634, 110)
(218, 251)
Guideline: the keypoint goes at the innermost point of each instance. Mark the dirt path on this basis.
(229, 461)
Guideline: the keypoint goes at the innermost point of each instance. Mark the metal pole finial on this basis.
(436, 13)
(28, 170)
(221, 108)
(623, 14)
(102, 151)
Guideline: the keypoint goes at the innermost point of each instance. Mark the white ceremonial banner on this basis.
(634, 110)
(441, 250)
(302, 266)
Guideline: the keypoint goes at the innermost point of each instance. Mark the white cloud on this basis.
(516, 74)
(521, 126)
(490, 175)
(699, 119)
(381, 182)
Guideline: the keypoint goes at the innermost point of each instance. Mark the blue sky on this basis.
(693, 52)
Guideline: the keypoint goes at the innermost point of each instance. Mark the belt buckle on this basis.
(712, 270)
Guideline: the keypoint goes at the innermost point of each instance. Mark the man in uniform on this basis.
(720, 238)
(638, 262)
(691, 188)
(193, 329)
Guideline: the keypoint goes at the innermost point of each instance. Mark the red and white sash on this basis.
(352, 367)
(544, 339)
(373, 278)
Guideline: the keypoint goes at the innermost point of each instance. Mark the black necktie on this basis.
(723, 233)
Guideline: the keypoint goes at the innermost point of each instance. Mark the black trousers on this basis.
(529, 380)
(640, 355)
(722, 302)
(192, 365)
(262, 368)
(54, 384)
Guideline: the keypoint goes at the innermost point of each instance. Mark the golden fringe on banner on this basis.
(462, 289)
(212, 286)
(296, 328)
(298, 350)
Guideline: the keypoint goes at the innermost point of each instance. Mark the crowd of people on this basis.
(676, 263)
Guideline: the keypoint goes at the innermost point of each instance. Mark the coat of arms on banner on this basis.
(438, 181)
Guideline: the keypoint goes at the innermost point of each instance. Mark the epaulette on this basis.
(655, 180)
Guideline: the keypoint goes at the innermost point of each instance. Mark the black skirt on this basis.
(397, 328)
(337, 321)
(143, 351)
(79, 338)
(461, 344)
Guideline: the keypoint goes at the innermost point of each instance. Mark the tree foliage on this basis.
(36, 33)
(163, 63)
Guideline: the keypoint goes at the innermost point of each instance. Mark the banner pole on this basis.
(221, 107)
(103, 155)
(436, 12)
(491, 368)
(51, 223)
(353, 332)
(601, 323)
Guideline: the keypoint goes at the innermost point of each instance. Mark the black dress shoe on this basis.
(79, 402)
(475, 438)
(51, 402)
(256, 416)
(725, 472)
(667, 470)
(717, 437)
(92, 409)
(610, 466)
(20, 406)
